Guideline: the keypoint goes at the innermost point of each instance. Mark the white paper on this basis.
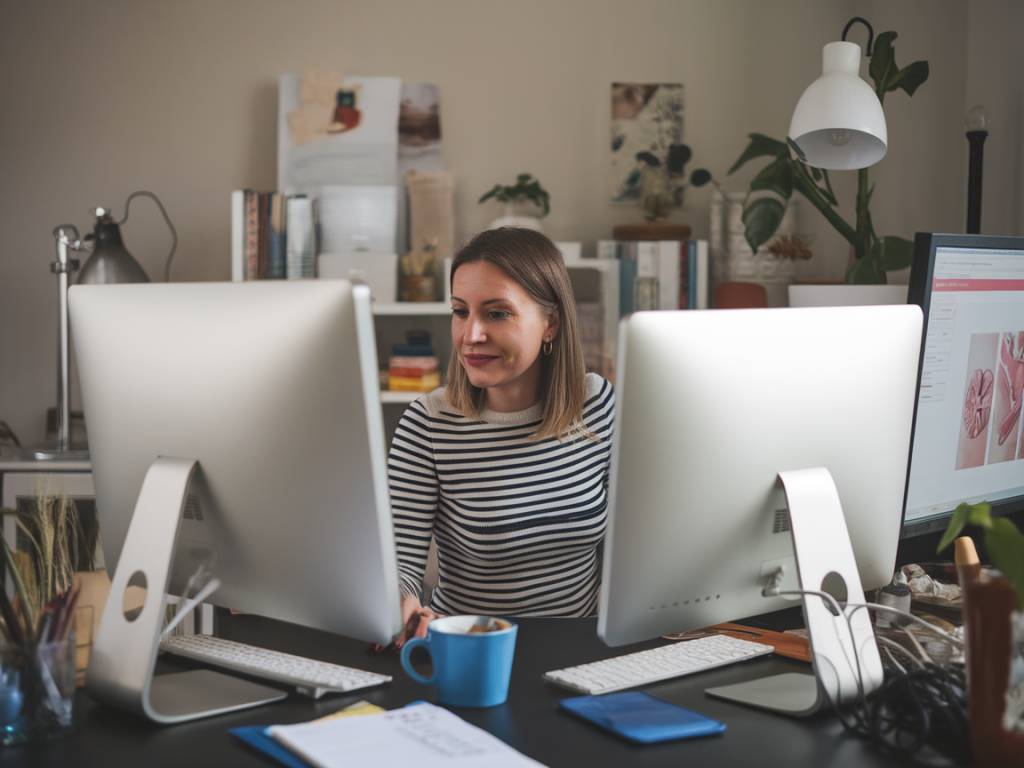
(421, 735)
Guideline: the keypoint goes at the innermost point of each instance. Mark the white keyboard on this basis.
(664, 663)
(312, 678)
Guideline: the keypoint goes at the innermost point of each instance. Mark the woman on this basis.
(506, 467)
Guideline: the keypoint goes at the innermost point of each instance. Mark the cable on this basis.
(170, 226)
(917, 712)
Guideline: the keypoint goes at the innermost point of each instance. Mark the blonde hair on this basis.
(536, 265)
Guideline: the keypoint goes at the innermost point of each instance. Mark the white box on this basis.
(377, 270)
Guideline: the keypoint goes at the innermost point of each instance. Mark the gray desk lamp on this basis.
(109, 262)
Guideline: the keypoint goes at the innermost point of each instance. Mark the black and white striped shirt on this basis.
(517, 521)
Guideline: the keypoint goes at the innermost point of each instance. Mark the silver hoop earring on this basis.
(547, 348)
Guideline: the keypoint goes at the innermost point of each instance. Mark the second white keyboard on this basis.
(663, 663)
(311, 677)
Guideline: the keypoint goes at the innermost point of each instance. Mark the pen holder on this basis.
(37, 689)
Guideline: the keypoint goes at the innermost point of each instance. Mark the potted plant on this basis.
(772, 187)
(993, 612)
(663, 185)
(528, 190)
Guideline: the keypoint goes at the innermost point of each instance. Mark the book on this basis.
(238, 235)
(702, 271)
(668, 274)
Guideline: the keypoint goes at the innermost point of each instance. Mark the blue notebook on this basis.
(256, 737)
(641, 718)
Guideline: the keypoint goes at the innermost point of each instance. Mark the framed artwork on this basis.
(646, 117)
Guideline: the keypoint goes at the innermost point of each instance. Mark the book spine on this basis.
(691, 270)
(607, 249)
(668, 274)
(263, 250)
(703, 274)
(252, 239)
(276, 243)
(238, 235)
(684, 274)
(627, 277)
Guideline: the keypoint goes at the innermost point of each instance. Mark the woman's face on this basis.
(498, 329)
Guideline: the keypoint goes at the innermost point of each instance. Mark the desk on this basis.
(530, 721)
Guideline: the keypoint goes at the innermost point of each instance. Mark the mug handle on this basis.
(407, 664)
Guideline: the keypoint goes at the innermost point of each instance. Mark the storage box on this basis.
(377, 270)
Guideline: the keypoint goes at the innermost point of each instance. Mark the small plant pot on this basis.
(37, 689)
(418, 288)
(992, 652)
(516, 216)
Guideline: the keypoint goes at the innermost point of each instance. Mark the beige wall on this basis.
(101, 98)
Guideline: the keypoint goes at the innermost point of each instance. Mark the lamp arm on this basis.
(170, 226)
(866, 23)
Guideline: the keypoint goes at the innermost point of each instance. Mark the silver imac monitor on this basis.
(712, 407)
(968, 443)
(272, 388)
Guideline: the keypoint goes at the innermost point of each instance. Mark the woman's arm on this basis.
(413, 485)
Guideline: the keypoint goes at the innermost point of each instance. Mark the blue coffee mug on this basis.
(471, 669)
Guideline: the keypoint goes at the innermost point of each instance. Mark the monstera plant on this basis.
(771, 189)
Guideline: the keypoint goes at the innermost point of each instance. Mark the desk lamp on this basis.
(838, 123)
(108, 262)
(977, 132)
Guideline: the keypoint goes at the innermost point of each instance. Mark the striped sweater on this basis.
(518, 522)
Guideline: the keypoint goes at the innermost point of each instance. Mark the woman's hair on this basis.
(532, 261)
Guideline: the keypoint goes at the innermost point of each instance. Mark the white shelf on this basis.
(412, 308)
(399, 397)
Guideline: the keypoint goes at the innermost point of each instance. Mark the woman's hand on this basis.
(415, 619)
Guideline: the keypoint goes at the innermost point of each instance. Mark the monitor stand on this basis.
(125, 650)
(844, 658)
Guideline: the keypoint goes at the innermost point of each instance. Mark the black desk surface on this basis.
(530, 720)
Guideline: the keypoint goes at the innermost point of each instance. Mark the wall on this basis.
(101, 98)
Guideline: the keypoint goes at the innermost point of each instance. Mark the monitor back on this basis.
(712, 406)
(272, 387)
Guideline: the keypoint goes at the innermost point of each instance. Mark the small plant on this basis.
(662, 186)
(526, 189)
(57, 547)
(772, 187)
(1005, 544)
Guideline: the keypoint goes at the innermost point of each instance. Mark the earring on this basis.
(547, 347)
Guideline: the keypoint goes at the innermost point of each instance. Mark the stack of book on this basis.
(660, 274)
(272, 236)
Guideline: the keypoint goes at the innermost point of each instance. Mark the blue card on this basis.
(256, 737)
(641, 718)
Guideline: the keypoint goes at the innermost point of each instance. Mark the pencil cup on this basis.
(472, 659)
(37, 689)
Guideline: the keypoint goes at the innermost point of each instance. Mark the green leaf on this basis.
(980, 514)
(700, 177)
(883, 61)
(894, 253)
(815, 173)
(1005, 545)
(775, 177)
(910, 77)
(760, 220)
(955, 526)
(495, 190)
(760, 146)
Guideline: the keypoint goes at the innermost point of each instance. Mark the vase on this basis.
(515, 216)
(732, 257)
(843, 295)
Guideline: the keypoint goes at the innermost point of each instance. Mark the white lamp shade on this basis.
(838, 123)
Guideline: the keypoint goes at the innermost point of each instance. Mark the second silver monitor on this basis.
(712, 406)
(272, 387)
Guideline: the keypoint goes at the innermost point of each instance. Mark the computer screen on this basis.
(272, 386)
(711, 407)
(967, 443)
